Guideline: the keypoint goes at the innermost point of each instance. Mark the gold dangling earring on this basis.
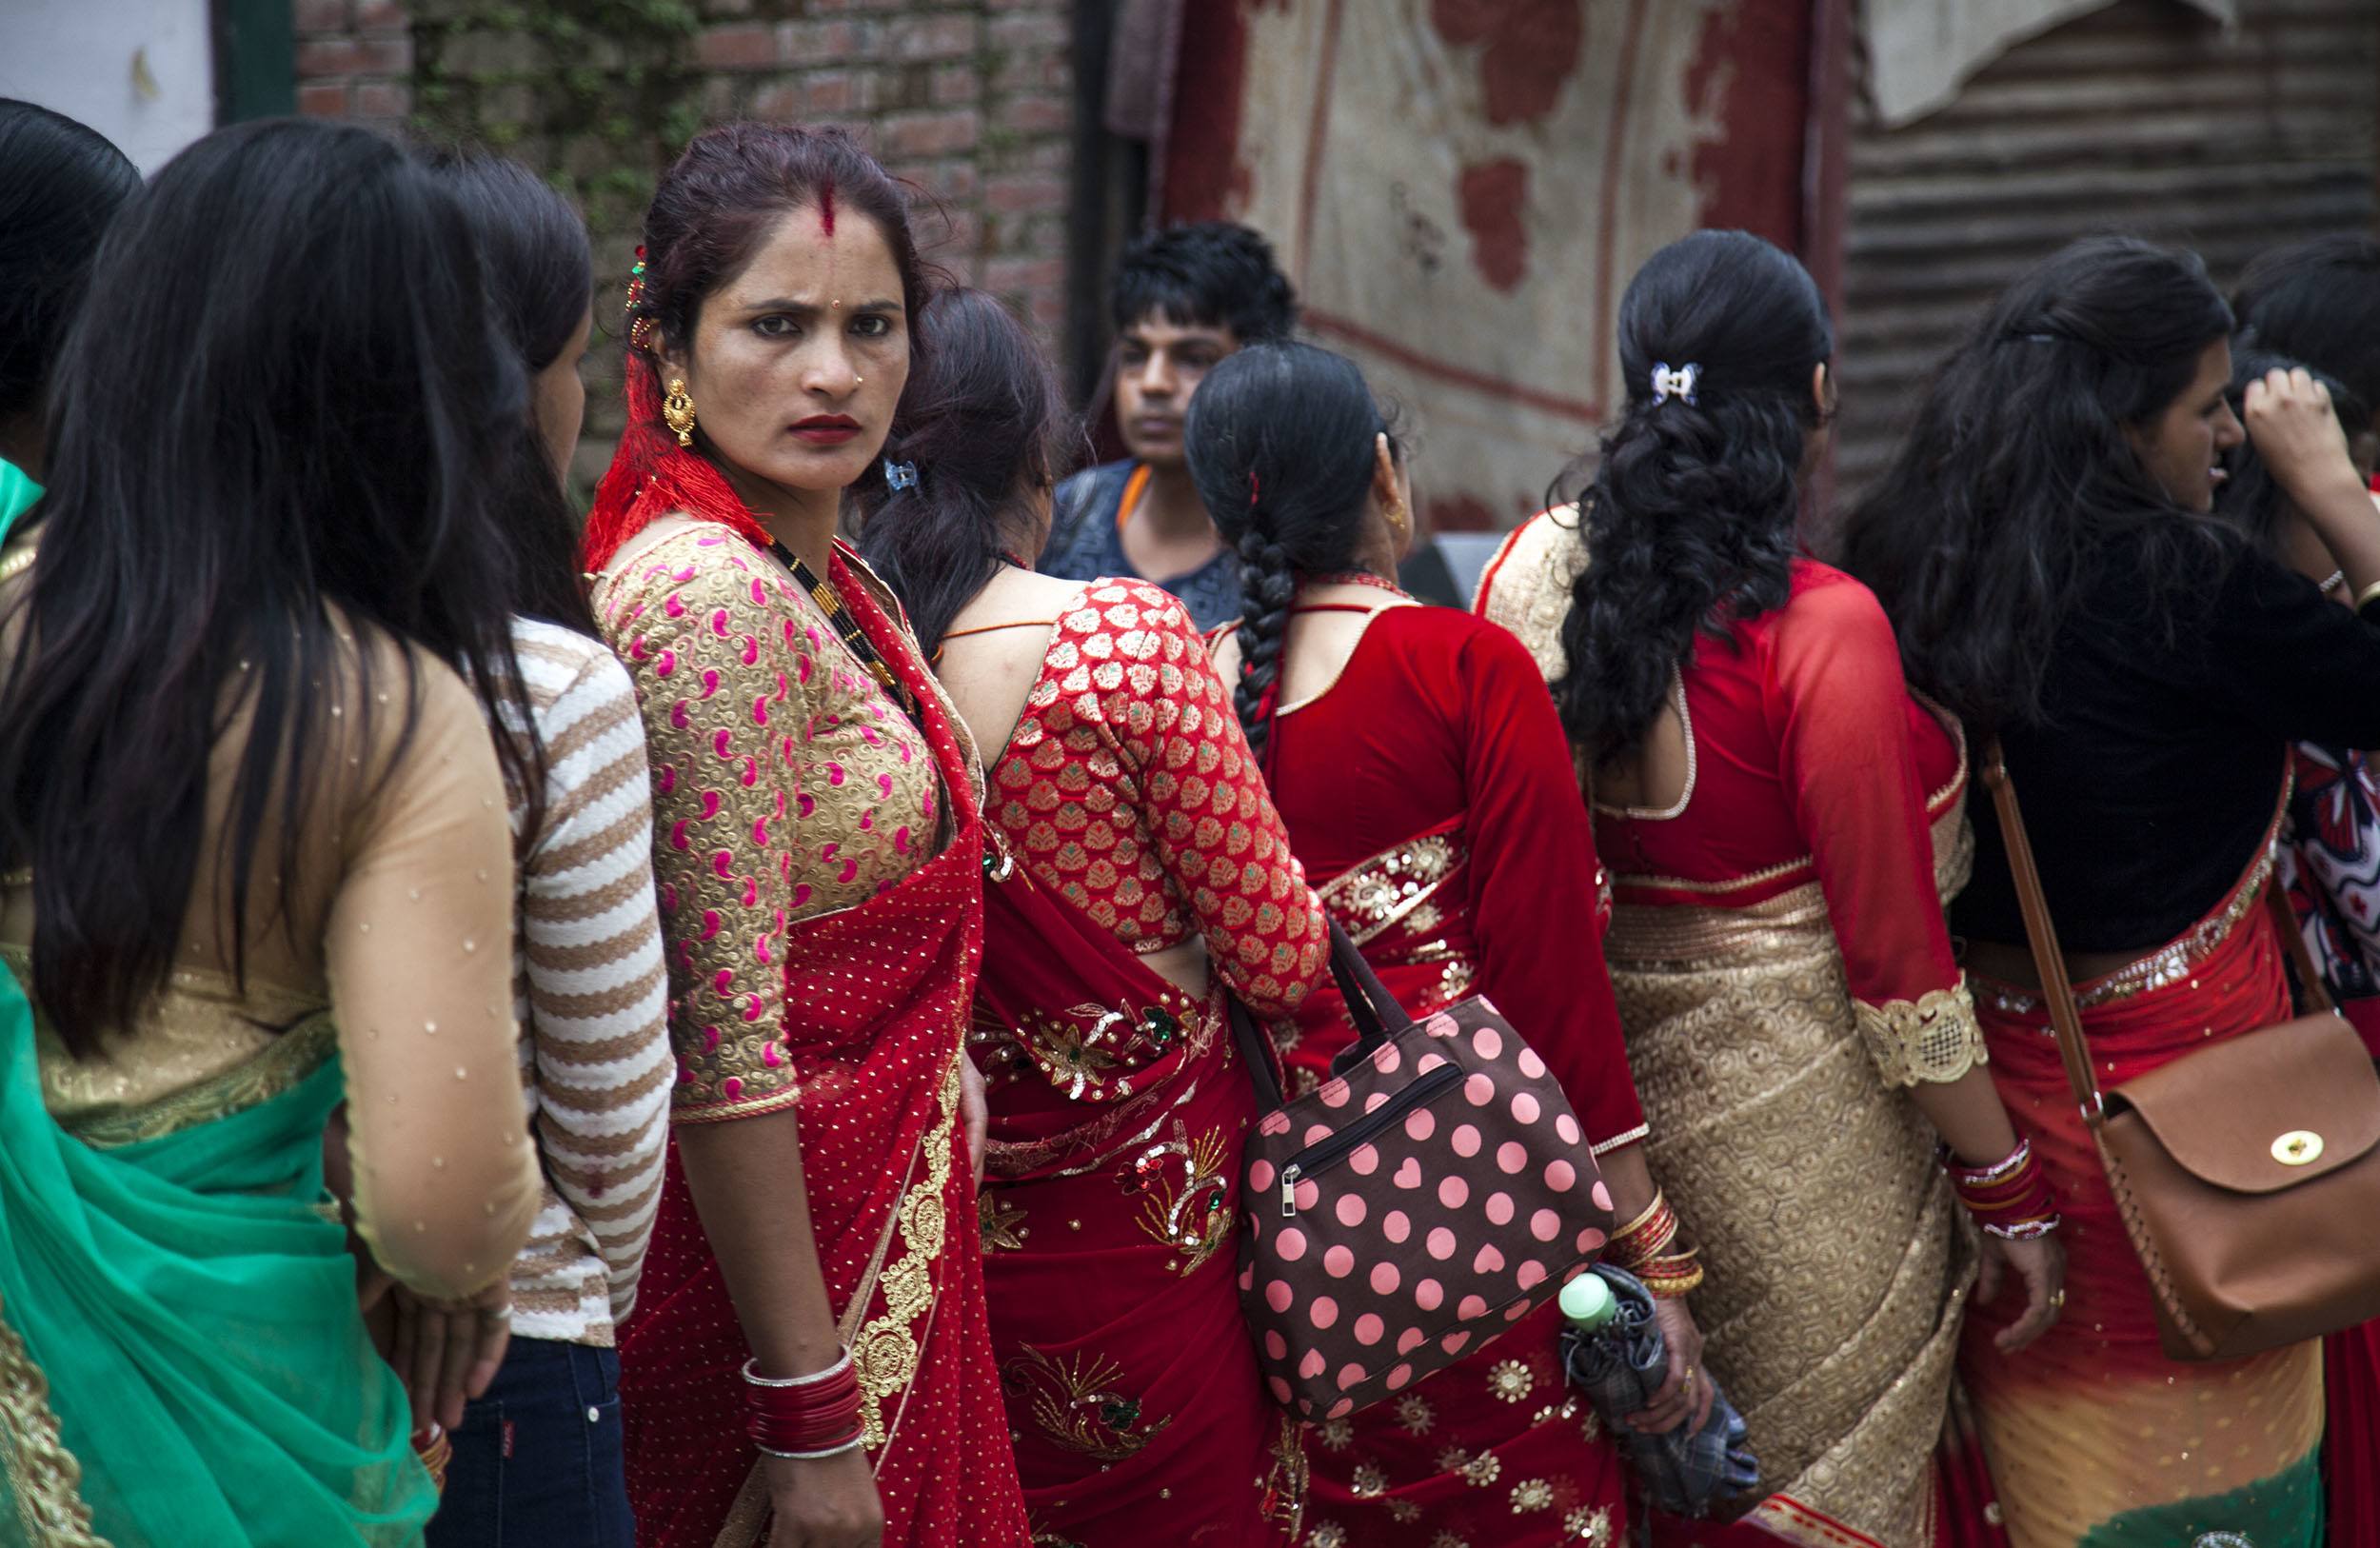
(677, 411)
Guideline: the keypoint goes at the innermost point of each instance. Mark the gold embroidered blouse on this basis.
(786, 784)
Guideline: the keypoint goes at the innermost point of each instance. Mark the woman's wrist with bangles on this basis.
(804, 1417)
(2010, 1197)
(1647, 1248)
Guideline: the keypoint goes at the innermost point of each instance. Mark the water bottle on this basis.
(1589, 1305)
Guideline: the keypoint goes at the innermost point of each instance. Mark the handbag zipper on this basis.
(1324, 1154)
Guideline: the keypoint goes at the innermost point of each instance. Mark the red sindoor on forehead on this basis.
(826, 208)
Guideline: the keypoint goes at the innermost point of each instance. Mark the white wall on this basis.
(140, 71)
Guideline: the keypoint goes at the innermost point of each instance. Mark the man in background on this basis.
(1182, 299)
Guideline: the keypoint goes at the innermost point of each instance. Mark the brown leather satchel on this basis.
(2247, 1173)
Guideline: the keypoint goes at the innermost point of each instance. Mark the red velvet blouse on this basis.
(1437, 743)
(1807, 760)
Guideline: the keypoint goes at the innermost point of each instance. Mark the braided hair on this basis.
(1280, 441)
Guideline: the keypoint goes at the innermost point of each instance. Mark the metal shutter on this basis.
(2146, 117)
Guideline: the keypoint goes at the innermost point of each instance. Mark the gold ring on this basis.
(2057, 1298)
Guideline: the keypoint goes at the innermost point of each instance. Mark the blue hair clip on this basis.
(900, 475)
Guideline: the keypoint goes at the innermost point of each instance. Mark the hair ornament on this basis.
(900, 475)
(1668, 384)
(1255, 488)
(640, 328)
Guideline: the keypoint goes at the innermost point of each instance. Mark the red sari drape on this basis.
(1126, 808)
(875, 1007)
(1111, 1237)
(1431, 795)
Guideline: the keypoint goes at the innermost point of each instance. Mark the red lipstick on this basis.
(826, 429)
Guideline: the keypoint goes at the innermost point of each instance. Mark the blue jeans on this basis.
(538, 1460)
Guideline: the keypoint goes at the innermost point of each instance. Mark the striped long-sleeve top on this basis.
(591, 992)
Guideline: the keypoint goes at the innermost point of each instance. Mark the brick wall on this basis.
(354, 60)
(968, 99)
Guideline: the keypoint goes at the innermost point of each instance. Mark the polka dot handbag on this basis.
(1432, 1193)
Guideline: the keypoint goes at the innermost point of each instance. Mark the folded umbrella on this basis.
(1620, 1364)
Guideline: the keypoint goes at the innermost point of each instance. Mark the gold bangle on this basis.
(2364, 598)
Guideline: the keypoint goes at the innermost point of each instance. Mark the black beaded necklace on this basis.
(847, 626)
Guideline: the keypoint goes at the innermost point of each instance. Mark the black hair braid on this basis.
(1267, 584)
(1282, 443)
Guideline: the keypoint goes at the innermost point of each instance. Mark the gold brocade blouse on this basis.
(786, 784)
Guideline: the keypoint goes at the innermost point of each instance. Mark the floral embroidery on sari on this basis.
(1191, 1211)
(1074, 1402)
(1396, 885)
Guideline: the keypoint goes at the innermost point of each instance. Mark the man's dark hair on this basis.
(1209, 274)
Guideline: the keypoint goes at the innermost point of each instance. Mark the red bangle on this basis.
(810, 1416)
(2010, 1198)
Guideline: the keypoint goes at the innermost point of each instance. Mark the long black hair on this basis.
(1281, 443)
(540, 275)
(2250, 498)
(1981, 535)
(985, 429)
(1690, 518)
(65, 184)
(280, 429)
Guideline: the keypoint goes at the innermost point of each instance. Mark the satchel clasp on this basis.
(2297, 1147)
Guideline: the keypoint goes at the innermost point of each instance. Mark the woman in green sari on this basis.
(255, 862)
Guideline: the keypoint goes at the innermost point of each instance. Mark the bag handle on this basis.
(2057, 988)
(1375, 1011)
(2049, 964)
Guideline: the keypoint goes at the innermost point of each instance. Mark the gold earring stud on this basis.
(677, 411)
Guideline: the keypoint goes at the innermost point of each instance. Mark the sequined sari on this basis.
(1784, 972)
(1128, 816)
(1110, 1217)
(1429, 793)
(2095, 1437)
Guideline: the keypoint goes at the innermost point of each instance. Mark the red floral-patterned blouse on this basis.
(1114, 790)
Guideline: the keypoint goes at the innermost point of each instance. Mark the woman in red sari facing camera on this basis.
(1425, 778)
(1137, 873)
(812, 1343)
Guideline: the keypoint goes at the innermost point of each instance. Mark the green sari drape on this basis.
(182, 1360)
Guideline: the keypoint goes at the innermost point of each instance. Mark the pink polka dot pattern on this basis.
(1442, 1194)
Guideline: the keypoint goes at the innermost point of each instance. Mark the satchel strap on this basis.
(1375, 1011)
(2057, 987)
(2048, 963)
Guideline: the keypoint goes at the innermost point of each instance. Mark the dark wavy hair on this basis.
(65, 184)
(540, 275)
(1209, 273)
(281, 430)
(986, 428)
(1689, 520)
(1986, 527)
(2318, 302)
(2250, 498)
(1279, 442)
